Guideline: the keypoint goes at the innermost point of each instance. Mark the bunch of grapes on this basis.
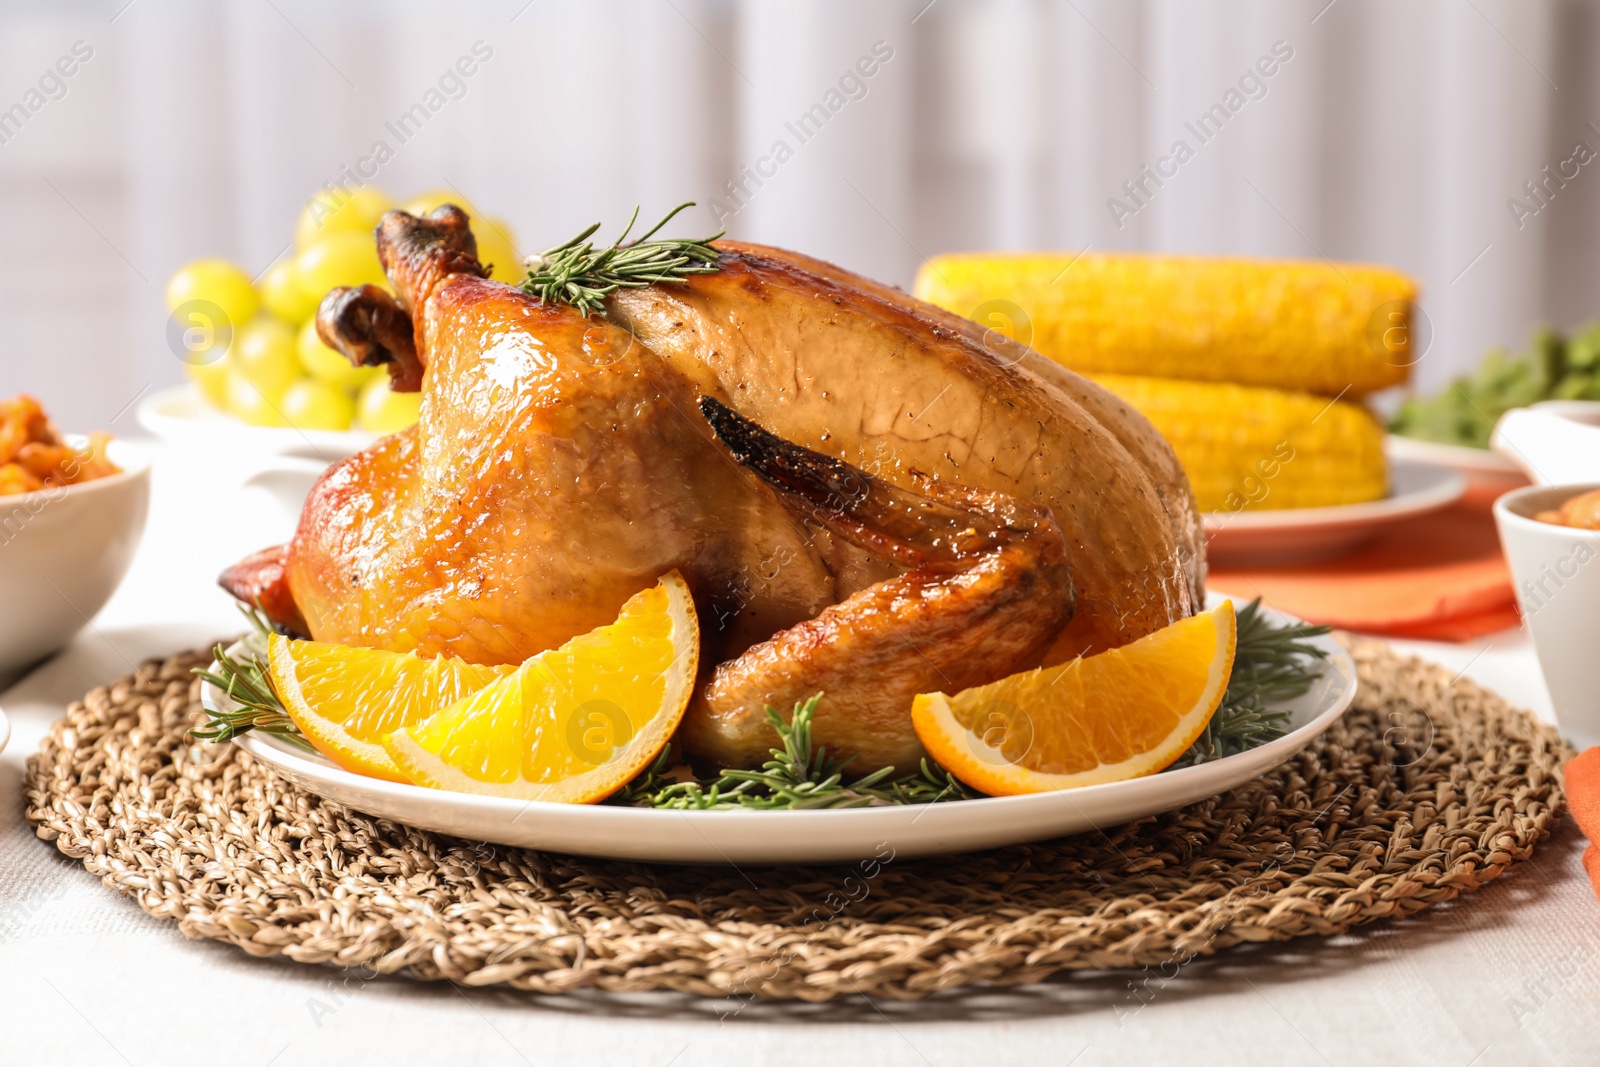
(275, 370)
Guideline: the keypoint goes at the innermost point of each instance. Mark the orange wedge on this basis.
(572, 724)
(1120, 714)
(346, 700)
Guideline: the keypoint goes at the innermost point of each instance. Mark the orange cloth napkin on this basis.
(1582, 775)
(1440, 576)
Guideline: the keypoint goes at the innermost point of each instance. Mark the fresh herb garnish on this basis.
(245, 681)
(1271, 664)
(579, 274)
(797, 776)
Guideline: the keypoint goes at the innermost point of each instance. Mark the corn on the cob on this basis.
(1320, 327)
(1252, 448)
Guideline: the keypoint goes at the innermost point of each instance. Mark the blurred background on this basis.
(1399, 132)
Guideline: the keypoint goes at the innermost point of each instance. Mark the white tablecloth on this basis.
(1510, 975)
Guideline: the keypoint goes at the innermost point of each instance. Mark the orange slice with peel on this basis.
(1120, 714)
(346, 700)
(571, 724)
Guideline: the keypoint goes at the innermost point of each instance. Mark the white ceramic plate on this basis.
(805, 837)
(182, 416)
(1484, 470)
(1298, 535)
(1457, 457)
(5, 730)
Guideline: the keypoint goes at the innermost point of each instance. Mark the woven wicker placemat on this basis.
(1427, 788)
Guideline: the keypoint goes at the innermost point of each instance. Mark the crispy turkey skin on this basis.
(1001, 511)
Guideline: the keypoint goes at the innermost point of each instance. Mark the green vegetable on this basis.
(1555, 367)
(797, 776)
(1271, 664)
(579, 274)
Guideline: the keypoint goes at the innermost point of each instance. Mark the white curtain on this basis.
(1399, 131)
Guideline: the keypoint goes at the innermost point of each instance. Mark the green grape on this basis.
(327, 365)
(218, 282)
(313, 405)
(282, 295)
(1583, 350)
(263, 351)
(337, 259)
(335, 211)
(497, 249)
(381, 410)
(424, 203)
(212, 379)
(248, 403)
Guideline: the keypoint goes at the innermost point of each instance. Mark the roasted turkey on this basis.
(869, 497)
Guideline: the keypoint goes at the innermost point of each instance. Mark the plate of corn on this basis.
(1256, 371)
(1300, 535)
(1486, 472)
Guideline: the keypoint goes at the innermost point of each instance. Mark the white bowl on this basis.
(1556, 571)
(63, 552)
(180, 415)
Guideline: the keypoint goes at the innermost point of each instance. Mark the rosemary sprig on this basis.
(798, 776)
(1271, 664)
(579, 274)
(245, 681)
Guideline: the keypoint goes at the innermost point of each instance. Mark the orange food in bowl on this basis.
(1581, 512)
(33, 455)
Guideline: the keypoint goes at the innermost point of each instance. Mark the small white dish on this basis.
(805, 837)
(181, 415)
(63, 552)
(1486, 471)
(5, 729)
(1556, 572)
(1555, 442)
(1300, 535)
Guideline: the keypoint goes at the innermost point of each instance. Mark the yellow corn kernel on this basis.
(1249, 448)
(1321, 327)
